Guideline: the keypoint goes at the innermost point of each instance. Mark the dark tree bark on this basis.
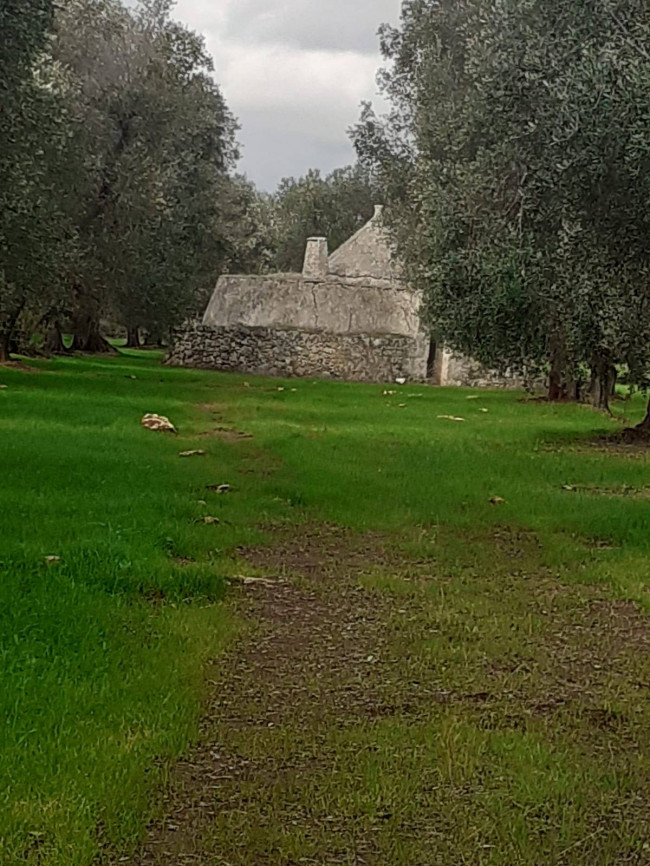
(563, 386)
(7, 334)
(133, 338)
(5, 354)
(603, 383)
(154, 340)
(54, 344)
(88, 338)
(562, 383)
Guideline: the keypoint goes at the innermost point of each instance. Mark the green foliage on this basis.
(33, 237)
(334, 207)
(516, 155)
(115, 151)
(152, 142)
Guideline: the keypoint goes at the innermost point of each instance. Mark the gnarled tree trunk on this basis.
(7, 333)
(54, 344)
(5, 354)
(603, 384)
(133, 338)
(562, 383)
(88, 338)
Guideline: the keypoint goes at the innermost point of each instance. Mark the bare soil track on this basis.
(326, 657)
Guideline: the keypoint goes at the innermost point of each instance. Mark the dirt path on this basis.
(308, 663)
(362, 724)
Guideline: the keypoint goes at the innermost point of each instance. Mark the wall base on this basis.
(297, 353)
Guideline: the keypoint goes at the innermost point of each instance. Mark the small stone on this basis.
(450, 418)
(497, 500)
(158, 423)
(202, 502)
(211, 521)
(52, 560)
(3, 387)
(401, 381)
(197, 453)
(485, 411)
(219, 488)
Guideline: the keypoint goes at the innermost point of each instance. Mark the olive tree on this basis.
(515, 156)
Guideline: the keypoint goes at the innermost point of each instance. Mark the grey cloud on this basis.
(294, 72)
(271, 153)
(343, 25)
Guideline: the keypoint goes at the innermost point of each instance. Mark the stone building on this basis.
(349, 315)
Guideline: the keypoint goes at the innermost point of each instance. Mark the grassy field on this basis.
(520, 609)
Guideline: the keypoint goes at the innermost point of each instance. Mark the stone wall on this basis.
(340, 306)
(460, 371)
(292, 352)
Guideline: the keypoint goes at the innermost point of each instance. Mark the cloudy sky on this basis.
(294, 72)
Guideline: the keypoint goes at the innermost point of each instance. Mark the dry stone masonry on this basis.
(346, 316)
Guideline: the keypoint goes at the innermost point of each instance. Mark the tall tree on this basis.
(32, 139)
(516, 156)
(153, 142)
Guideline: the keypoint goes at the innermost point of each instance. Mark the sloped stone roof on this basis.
(367, 254)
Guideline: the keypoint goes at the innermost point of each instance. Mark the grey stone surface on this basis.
(316, 265)
(349, 316)
(291, 352)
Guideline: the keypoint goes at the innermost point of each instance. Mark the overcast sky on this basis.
(294, 72)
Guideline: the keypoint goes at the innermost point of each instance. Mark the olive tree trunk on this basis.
(88, 338)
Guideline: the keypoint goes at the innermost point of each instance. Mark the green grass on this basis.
(101, 654)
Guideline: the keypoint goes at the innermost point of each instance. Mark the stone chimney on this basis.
(316, 265)
(379, 211)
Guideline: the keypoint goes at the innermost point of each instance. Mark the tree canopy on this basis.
(516, 155)
(116, 153)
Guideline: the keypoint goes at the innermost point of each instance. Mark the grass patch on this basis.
(508, 717)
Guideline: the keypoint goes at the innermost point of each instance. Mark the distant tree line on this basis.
(515, 156)
(118, 197)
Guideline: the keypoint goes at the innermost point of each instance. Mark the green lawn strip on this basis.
(102, 653)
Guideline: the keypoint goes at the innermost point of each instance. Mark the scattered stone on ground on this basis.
(450, 418)
(3, 387)
(497, 500)
(210, 521)
(624, 491)
(158, 423)
(52, 560)
(196, 453)
(219, 488)
(247, 580)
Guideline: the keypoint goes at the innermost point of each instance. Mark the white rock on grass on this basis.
(158, 423)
